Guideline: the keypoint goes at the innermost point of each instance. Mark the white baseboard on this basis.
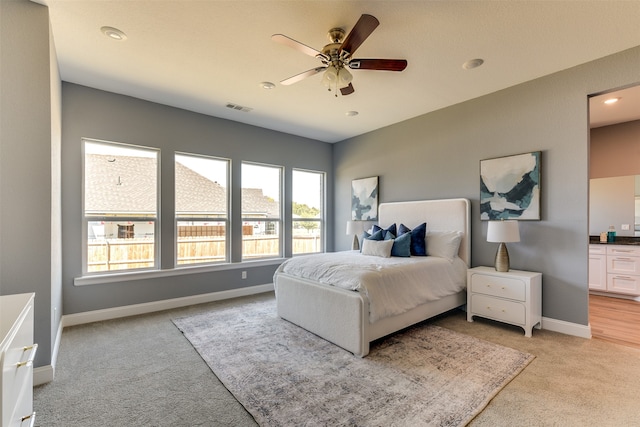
(567, 328)
(45, 374)
(150, 307)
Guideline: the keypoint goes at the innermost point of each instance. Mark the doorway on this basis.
(614, 201)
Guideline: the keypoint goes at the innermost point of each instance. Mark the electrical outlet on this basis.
(244, 274)
(624, 227)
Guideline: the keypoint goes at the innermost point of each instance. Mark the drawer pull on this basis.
(623, 259)
(623, 277)
(32, 356)
(32, 419)
(503, 310)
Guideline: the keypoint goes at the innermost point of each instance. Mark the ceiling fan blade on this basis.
(294, 79)
(363, 29)
(347, 90)
(300, 47)
(378, 64)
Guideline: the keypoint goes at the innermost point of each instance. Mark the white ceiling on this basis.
(202, 55)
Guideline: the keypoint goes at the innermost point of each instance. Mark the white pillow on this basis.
(443, 244)
(380, 248)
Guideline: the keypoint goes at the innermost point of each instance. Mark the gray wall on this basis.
(615, 150)
(29, 241)
(107, 116)
(437, 155)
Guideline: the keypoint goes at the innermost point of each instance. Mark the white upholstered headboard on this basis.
(440, 215)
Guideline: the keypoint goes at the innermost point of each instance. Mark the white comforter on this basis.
(392, 285)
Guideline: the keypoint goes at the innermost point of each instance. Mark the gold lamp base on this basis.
(502, 258)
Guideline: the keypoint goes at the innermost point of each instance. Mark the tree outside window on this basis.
(307, 212)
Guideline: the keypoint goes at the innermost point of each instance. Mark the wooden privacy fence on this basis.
(124, 254)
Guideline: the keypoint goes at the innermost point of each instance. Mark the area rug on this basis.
(286, 376)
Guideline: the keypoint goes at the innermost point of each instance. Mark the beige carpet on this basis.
(286, 376)
(141, 371)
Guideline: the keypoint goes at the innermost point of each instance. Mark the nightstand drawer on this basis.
(506, 311)
(504, 287)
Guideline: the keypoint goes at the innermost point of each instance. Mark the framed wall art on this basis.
(510, 187)
(364, 199)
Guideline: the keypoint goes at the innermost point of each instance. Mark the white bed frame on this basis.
(342, 316)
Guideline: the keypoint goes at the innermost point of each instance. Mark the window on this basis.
(202, 200)
(261, 211)
(120, 207)
(307, 212)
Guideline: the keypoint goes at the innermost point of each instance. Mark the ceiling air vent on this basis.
(238, 107)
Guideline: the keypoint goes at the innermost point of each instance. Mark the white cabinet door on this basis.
(597, 272)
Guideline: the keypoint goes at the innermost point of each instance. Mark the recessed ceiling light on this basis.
(113, 33)
(351, 113)
(473, 63)
(267, 85)
(611, 101)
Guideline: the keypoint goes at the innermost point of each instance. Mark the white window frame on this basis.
(226, 219)
(279, 220)
(86, 219)
(322, 220)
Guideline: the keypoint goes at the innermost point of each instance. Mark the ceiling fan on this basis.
(336, 57)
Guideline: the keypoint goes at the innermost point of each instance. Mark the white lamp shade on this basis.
(354, 227)
(503, 231)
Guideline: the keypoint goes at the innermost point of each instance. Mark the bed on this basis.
(344, 316)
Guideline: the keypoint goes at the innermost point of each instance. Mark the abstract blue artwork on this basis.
(364, 199)
(510, 187)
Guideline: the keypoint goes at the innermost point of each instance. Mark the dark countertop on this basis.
(620, 240)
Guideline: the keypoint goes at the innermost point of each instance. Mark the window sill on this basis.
(152, 274)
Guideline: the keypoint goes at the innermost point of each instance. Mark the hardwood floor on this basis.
(614, 319)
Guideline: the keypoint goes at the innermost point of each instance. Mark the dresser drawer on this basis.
(504, 287)
(498, 309)
(17, 372)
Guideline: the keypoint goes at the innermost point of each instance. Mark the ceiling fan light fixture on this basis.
(344, 77)
(330, 76)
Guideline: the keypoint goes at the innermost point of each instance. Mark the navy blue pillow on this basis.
(418, 238)
(391, 229)
(401, 245)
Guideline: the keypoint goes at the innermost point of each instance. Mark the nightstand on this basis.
(513, 297)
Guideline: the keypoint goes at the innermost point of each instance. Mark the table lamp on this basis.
(503, 232)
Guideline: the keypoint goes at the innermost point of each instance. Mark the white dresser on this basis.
(17, 351)
(513, 297)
